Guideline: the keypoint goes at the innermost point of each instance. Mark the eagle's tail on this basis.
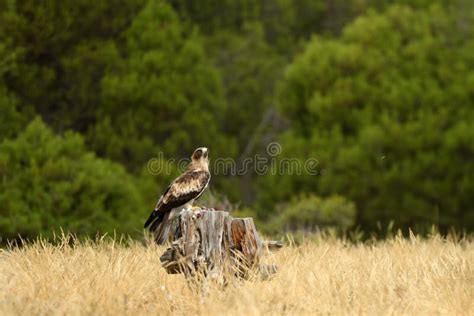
(162, 229)
(155, 215)
(158, 224)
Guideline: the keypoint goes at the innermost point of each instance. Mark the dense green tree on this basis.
(138, 69)
(214, 16)
(249, 69)
(12, 119)
(387, 110)
(51, 182)
(384, 102)
(287, 24)
(162, 94)
(62, 49)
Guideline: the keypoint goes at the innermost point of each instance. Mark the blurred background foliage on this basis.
(380, 92)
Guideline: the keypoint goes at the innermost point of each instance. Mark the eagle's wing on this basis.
(189, 186)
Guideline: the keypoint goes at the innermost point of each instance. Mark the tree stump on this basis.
(215, 245)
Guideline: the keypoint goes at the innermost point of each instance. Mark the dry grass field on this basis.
(400, 276)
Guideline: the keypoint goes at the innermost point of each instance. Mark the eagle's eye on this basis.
(197, 154)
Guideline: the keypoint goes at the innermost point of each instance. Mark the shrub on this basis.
(311, 212)
(50, 181)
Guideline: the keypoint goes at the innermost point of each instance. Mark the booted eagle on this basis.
(180, 195)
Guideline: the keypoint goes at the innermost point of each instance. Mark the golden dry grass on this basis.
(399, 276)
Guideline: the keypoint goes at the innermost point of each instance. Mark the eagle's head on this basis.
(200, 156)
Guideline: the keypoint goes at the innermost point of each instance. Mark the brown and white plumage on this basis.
(180, 194)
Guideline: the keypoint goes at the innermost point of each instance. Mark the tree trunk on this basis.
(215, 245)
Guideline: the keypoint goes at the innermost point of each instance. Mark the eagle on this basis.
(180, 195)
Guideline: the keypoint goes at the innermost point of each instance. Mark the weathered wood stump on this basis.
(215, 245)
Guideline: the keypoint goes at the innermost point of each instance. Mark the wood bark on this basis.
(213, 244)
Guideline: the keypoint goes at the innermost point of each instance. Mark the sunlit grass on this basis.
(106, 277)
